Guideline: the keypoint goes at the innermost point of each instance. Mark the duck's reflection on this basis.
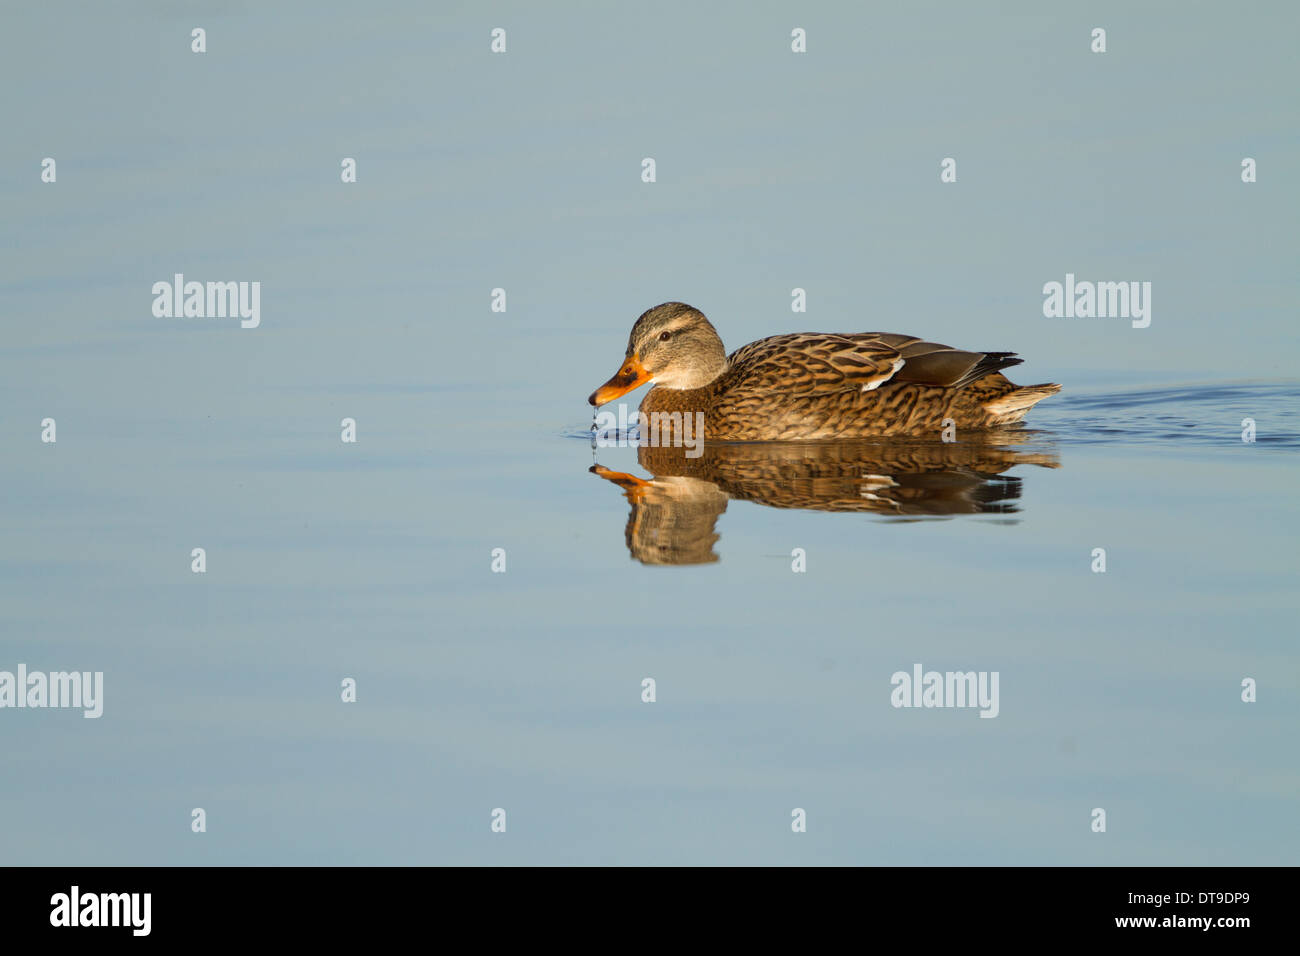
(674, 513)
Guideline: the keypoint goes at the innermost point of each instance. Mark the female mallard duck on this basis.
(812, 385)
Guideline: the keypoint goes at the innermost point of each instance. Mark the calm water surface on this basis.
(522, 690)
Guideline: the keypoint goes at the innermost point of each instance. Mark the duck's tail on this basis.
(1012, 406)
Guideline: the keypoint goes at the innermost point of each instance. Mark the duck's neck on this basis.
(701, 373)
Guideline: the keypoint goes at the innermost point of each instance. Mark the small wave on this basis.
(610, 434)
(1181, 415)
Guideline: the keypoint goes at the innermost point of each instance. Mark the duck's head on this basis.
(672, 345)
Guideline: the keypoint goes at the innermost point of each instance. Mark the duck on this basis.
(808, 386)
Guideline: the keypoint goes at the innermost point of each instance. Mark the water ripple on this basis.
(1182, 415)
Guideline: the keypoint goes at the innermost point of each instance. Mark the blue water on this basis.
(522, 690)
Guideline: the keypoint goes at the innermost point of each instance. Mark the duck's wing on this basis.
(813, 363)
(929, 363)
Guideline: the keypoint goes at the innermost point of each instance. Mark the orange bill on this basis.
(633, 487)
(631, 375)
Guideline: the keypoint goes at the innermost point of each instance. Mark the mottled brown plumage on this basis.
(673, 516)
(814, 385)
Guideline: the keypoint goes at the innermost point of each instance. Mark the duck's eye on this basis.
(665, 336)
